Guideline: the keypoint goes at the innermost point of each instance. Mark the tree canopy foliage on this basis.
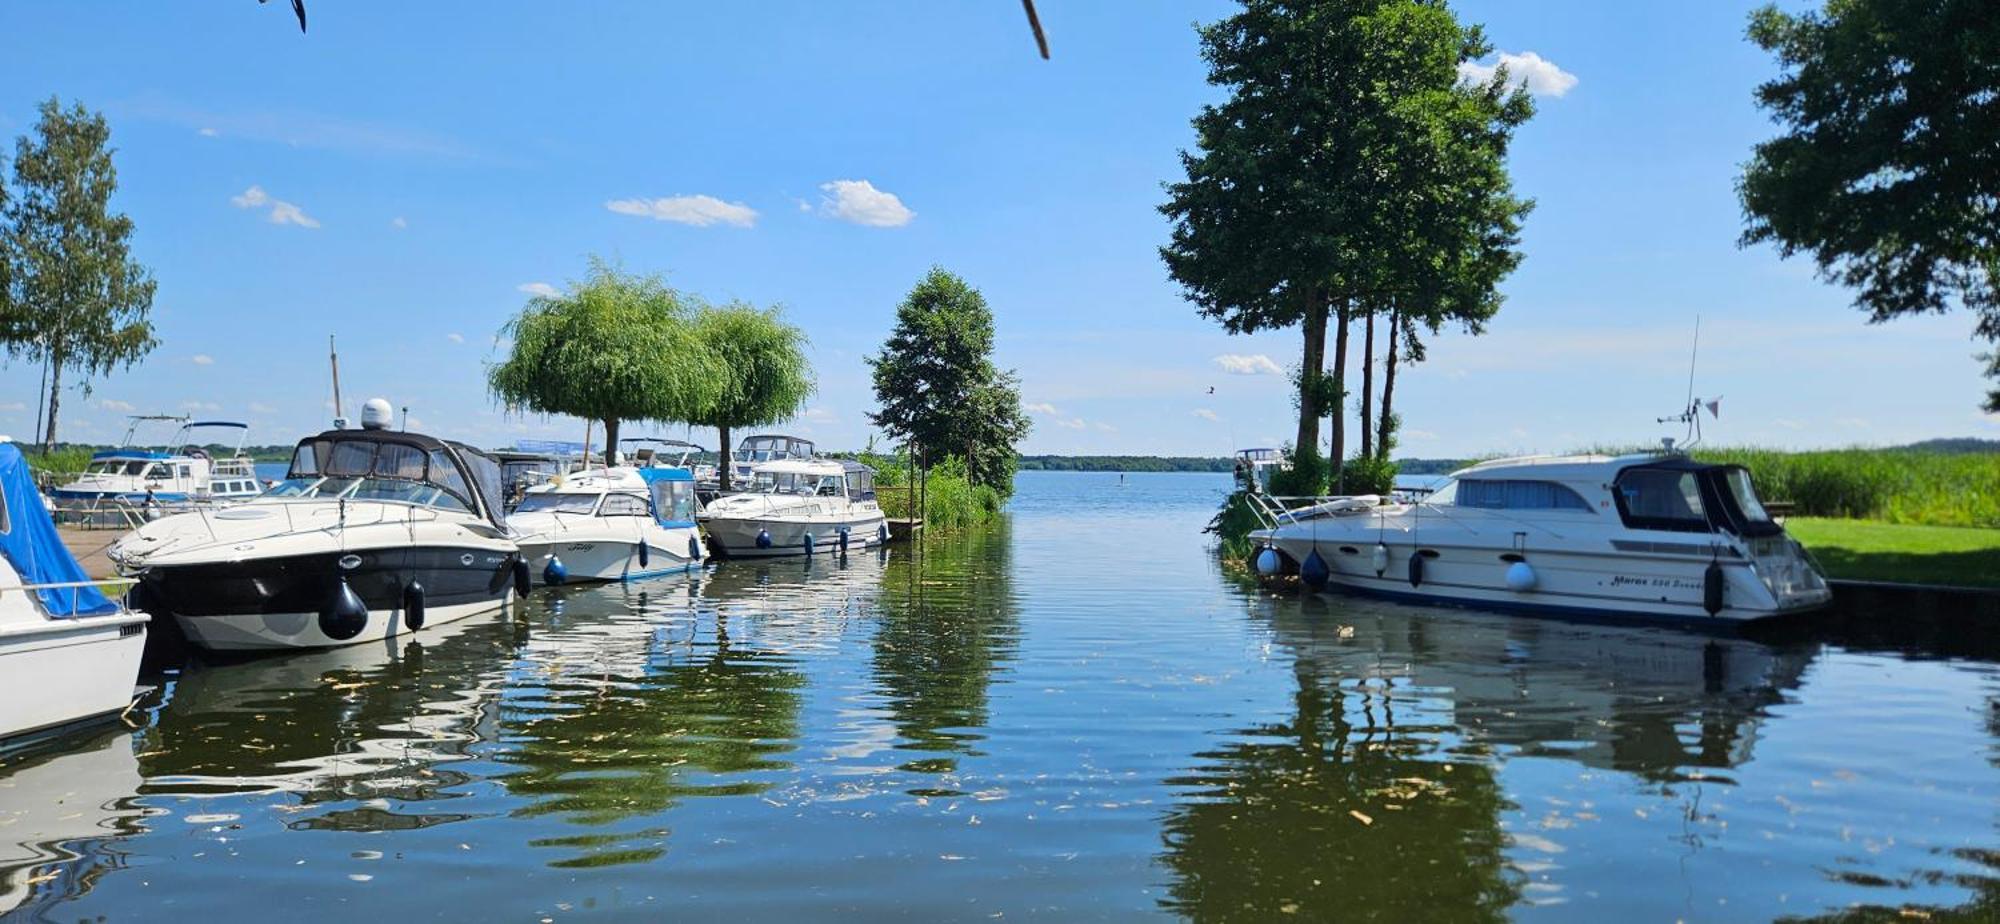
(1349, 170)
(938, 388)
(766, 375)
(70, 292)
(614, 347)
(1887, 170)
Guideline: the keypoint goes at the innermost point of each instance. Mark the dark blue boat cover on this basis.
(35, 550)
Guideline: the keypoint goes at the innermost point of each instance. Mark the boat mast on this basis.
(333, 357)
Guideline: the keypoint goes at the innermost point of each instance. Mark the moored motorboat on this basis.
(68, 653)
(1642, 536)
(149, 482)
(611, 524)
(798, 507)
(372, 533)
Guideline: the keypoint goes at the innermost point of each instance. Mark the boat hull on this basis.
(734, 538)
(67, 672)
(1626, 586)
(276, 602)
(595, 560)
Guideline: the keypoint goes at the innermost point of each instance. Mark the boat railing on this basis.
(1275, 510)
(110, 587)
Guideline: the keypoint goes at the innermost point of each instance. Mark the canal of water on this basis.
(1074, 715)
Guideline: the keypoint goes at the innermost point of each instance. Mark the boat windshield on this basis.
(795, 483)
(368, 489)
(551, 502)
(117, 467)
(1661, 498)
(1745, 495)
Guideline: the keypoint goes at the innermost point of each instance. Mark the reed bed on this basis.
(950, 501)
(1904, 486)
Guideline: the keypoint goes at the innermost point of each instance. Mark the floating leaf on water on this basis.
(1364, 819)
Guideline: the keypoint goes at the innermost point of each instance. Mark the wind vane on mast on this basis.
(1691, 412)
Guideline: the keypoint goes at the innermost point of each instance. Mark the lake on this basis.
(1074, 715)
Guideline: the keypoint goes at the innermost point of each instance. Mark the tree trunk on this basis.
(1388, 387)
(724, 462)
(1340, 382)
(1368, 388)
(55, 402)
(610, 440)
(1311, 357)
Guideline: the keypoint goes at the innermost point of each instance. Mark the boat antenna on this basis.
(333, 357)
(1691, 411)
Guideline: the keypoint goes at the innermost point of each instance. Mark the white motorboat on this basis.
(1254, 468)
(372, 533)
(798, 507)
(68, 653)
(1644, 536)
(612, 524)
(176, 477)
(771, 447)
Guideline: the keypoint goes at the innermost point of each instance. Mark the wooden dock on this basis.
(902, 529)
(88, 546)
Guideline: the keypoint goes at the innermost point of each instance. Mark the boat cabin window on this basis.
(1517, 494)
(861, 486)
(1661, 498)
(623, 505)
(369, 470)
(184, 471)
(398, 461)
(795, 483)
(549, 501)
(1745, 496)
(674, 500)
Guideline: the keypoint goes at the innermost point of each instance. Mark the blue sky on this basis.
(399, 174)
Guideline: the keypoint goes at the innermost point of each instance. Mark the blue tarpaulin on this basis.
(32, 546)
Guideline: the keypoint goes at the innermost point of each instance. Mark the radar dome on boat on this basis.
(377, 414)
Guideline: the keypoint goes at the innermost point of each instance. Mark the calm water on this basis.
(1073, 716)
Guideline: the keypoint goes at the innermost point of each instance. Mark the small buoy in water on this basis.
(763, 538)
(413, 606)
(809, 544)
(344, 615)
(694, 549)
(1380, 559)
(1267, 561)
(521, 579)
(1520, 577)
(1313, 570)
(555, 572)
(1712, 582)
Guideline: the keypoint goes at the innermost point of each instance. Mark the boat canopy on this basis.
(769, 446)
(216, 423)
(30, 541)
(466, 473)
(1677, 493)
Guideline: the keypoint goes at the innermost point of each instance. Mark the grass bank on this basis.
(1863, 550)
(1901, 486)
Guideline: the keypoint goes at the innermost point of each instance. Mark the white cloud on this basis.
(1540, 75)
(201, 405)
(399, 222)
(820, 415)
(203, 359)
(1105, 427)
(281, 213)
(1206, 414)
(455, 338)
(14, 406)
(1251, 364)
(860, 202)
(122, 407)
(258, 407)
(1418, 435)
(1041, 408)
(207, 133)
(699, 211)
(1072, 423)
(539, 288)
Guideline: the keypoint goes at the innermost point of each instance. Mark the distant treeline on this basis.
(1125, 464)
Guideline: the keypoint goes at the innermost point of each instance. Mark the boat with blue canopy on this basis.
(180, 475)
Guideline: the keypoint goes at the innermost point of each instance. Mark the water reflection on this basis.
(948, 623)
(1380, 794)
(63, 812)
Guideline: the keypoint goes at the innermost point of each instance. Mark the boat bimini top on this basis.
(395, 466)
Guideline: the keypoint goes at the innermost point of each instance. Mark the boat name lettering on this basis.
(1626, 580)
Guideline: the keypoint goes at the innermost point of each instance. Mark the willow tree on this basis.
(614, 347)
(766, 376)
(70, 293)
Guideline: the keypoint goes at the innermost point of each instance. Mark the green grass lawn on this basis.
(1867, 550)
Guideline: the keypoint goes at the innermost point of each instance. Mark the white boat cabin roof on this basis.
(810, 467)
(1596, 469)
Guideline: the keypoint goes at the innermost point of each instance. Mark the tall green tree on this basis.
(938, 388)
(1349, 165)
(614, 347)
(767, 377)
(1887, 170)
(70, 293)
